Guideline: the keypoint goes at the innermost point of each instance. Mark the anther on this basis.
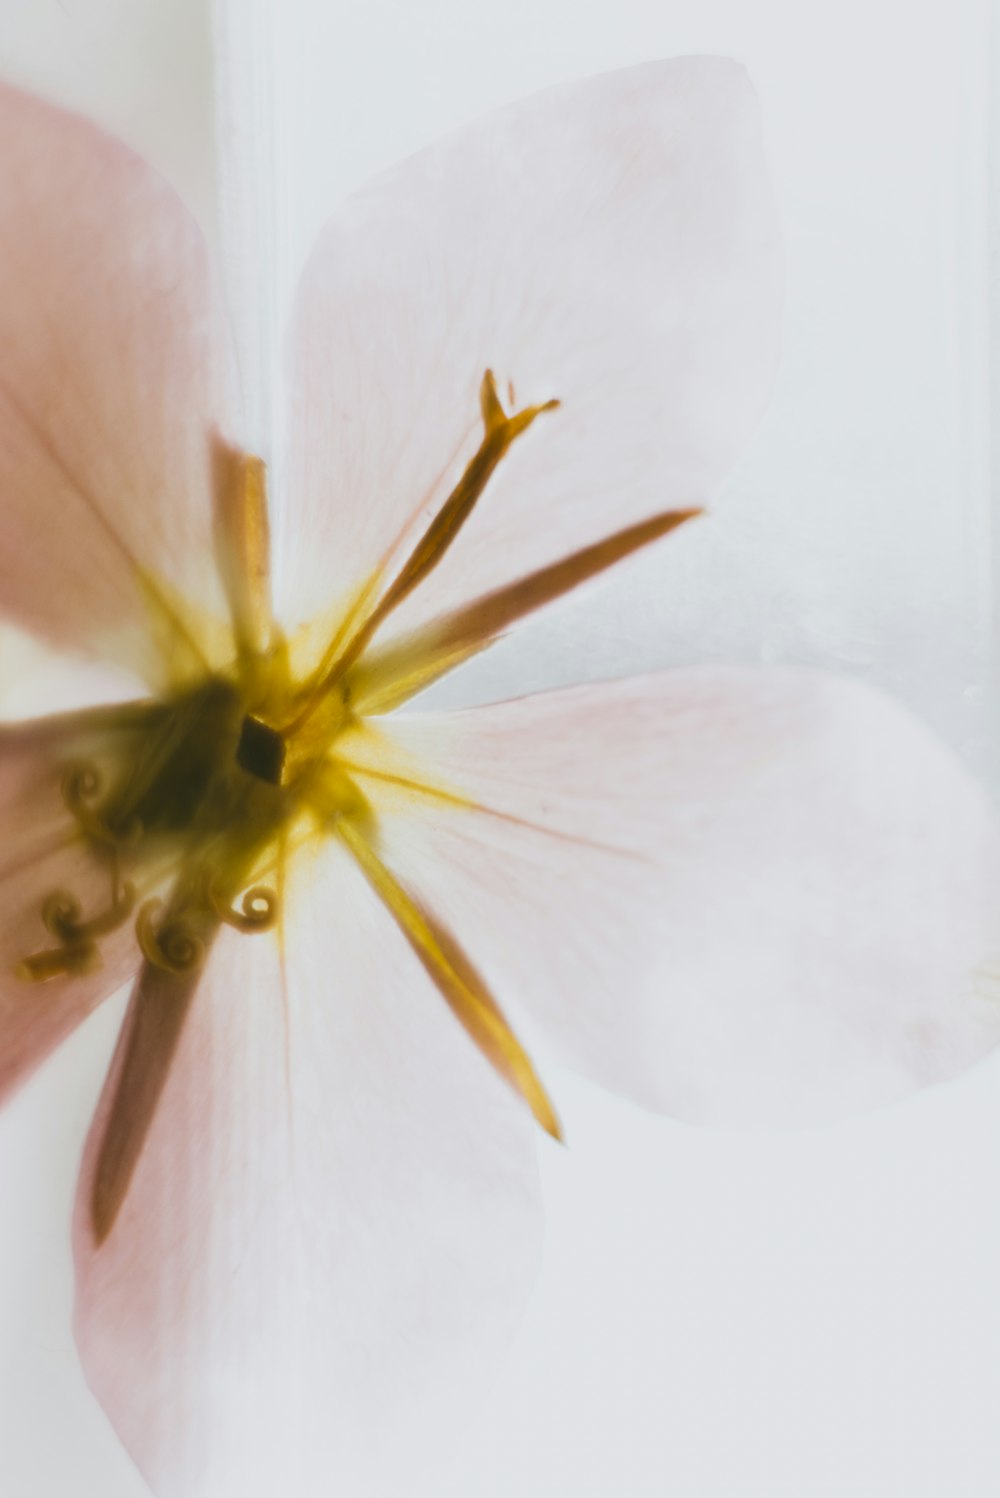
(76, 962)
(261, 750)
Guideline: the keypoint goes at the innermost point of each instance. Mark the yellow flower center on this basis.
(201, 796)
(193, 803)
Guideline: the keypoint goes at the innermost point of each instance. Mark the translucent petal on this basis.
(610, 244)
(738, 896)
(107, 394)
(332, 1226)
(39, 857)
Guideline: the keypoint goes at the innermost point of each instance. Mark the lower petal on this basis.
(332, 1226)
(738, 896)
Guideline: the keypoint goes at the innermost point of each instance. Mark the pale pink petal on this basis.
(736, 895)
(611, 244)
(40, 855)
(332, 1226)
(107, 392)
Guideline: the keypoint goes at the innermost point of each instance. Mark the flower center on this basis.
(190, 806)
(261, 750)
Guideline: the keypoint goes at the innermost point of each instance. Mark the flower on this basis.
(515, 360)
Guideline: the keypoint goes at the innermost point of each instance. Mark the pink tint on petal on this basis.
(107, 387)
(172, 1307)
(799, 923)
(38, 856)
(331, 1230)
(612, 244)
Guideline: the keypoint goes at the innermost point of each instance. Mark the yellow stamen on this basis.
(243, 548)
(383, 680)
(499, 432)
(171, 943)
(257, 911)
(156, 1017)
(78, 952)
(456, 979)
(57, 962)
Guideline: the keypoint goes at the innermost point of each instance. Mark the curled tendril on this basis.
(257, 910)
(122, 905)
(82, 787)
(173, 945)
(78, 952)
(61, 912)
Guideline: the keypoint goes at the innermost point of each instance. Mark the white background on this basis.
(719, 1316)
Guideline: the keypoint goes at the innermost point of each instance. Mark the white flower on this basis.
(729, 893)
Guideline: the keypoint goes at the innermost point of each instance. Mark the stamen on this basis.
(76, 962)
(78, 951)
(455, 978)
(500, 432)
(82, 786)
(387, 678)
(158, 1011)
(61, 914)
(174, 944)
(243, 548)
(258, 909)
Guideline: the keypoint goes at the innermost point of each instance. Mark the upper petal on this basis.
(740, 896)
(107, 393)
(331, 1227)
(610, 244)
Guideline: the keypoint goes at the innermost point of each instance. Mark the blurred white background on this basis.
(719, 1316)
